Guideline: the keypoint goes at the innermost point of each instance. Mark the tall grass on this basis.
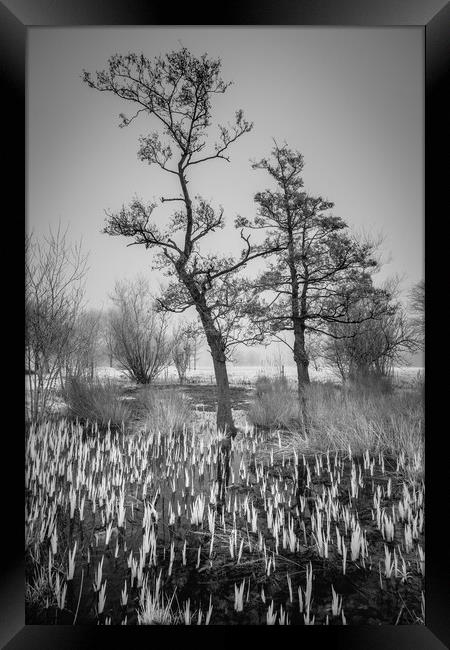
(165, 410)
(368, 416)
(275, 404)
(96, 401)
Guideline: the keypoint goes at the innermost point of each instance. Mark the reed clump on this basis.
(275, 404)
(165, 410)
(96, 401)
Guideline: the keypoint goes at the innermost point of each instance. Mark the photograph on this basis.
(225, 326)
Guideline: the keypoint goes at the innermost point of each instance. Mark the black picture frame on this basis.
(16, 16)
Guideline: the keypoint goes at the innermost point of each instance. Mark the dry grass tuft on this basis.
(275, 404)
(165, 410)
(96, 401)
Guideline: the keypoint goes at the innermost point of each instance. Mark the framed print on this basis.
(225, 404)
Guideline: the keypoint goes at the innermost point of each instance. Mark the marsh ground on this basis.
(333, 538)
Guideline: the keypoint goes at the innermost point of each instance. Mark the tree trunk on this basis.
(302, 363)
(216, 344)
(299, 311)
(223, 472)
(217, 347)
(225, 421)
(300, 356)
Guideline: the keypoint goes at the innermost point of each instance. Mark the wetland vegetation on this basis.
(275, 500)
(137, 524)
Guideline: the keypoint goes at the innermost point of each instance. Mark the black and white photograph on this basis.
(225, 326)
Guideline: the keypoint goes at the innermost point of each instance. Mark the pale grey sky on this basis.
(350, 99)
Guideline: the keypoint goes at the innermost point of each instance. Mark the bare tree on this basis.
(139, 335)
(176, 91)
(182, 349)
(54, 273)
(417, 306)
(82, 350)
(106, 335)
(197, 339)
(306, 286)
(371, 347)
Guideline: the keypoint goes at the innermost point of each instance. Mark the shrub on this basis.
(96, 401)
(165, 410)
(137, 332)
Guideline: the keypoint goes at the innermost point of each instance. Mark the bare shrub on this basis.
(139, 339)
(54, 273)
(366, 348)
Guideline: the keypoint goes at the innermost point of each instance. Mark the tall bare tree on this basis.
(176, 90)
(54, 290)
(139, 334)
(304, 286)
